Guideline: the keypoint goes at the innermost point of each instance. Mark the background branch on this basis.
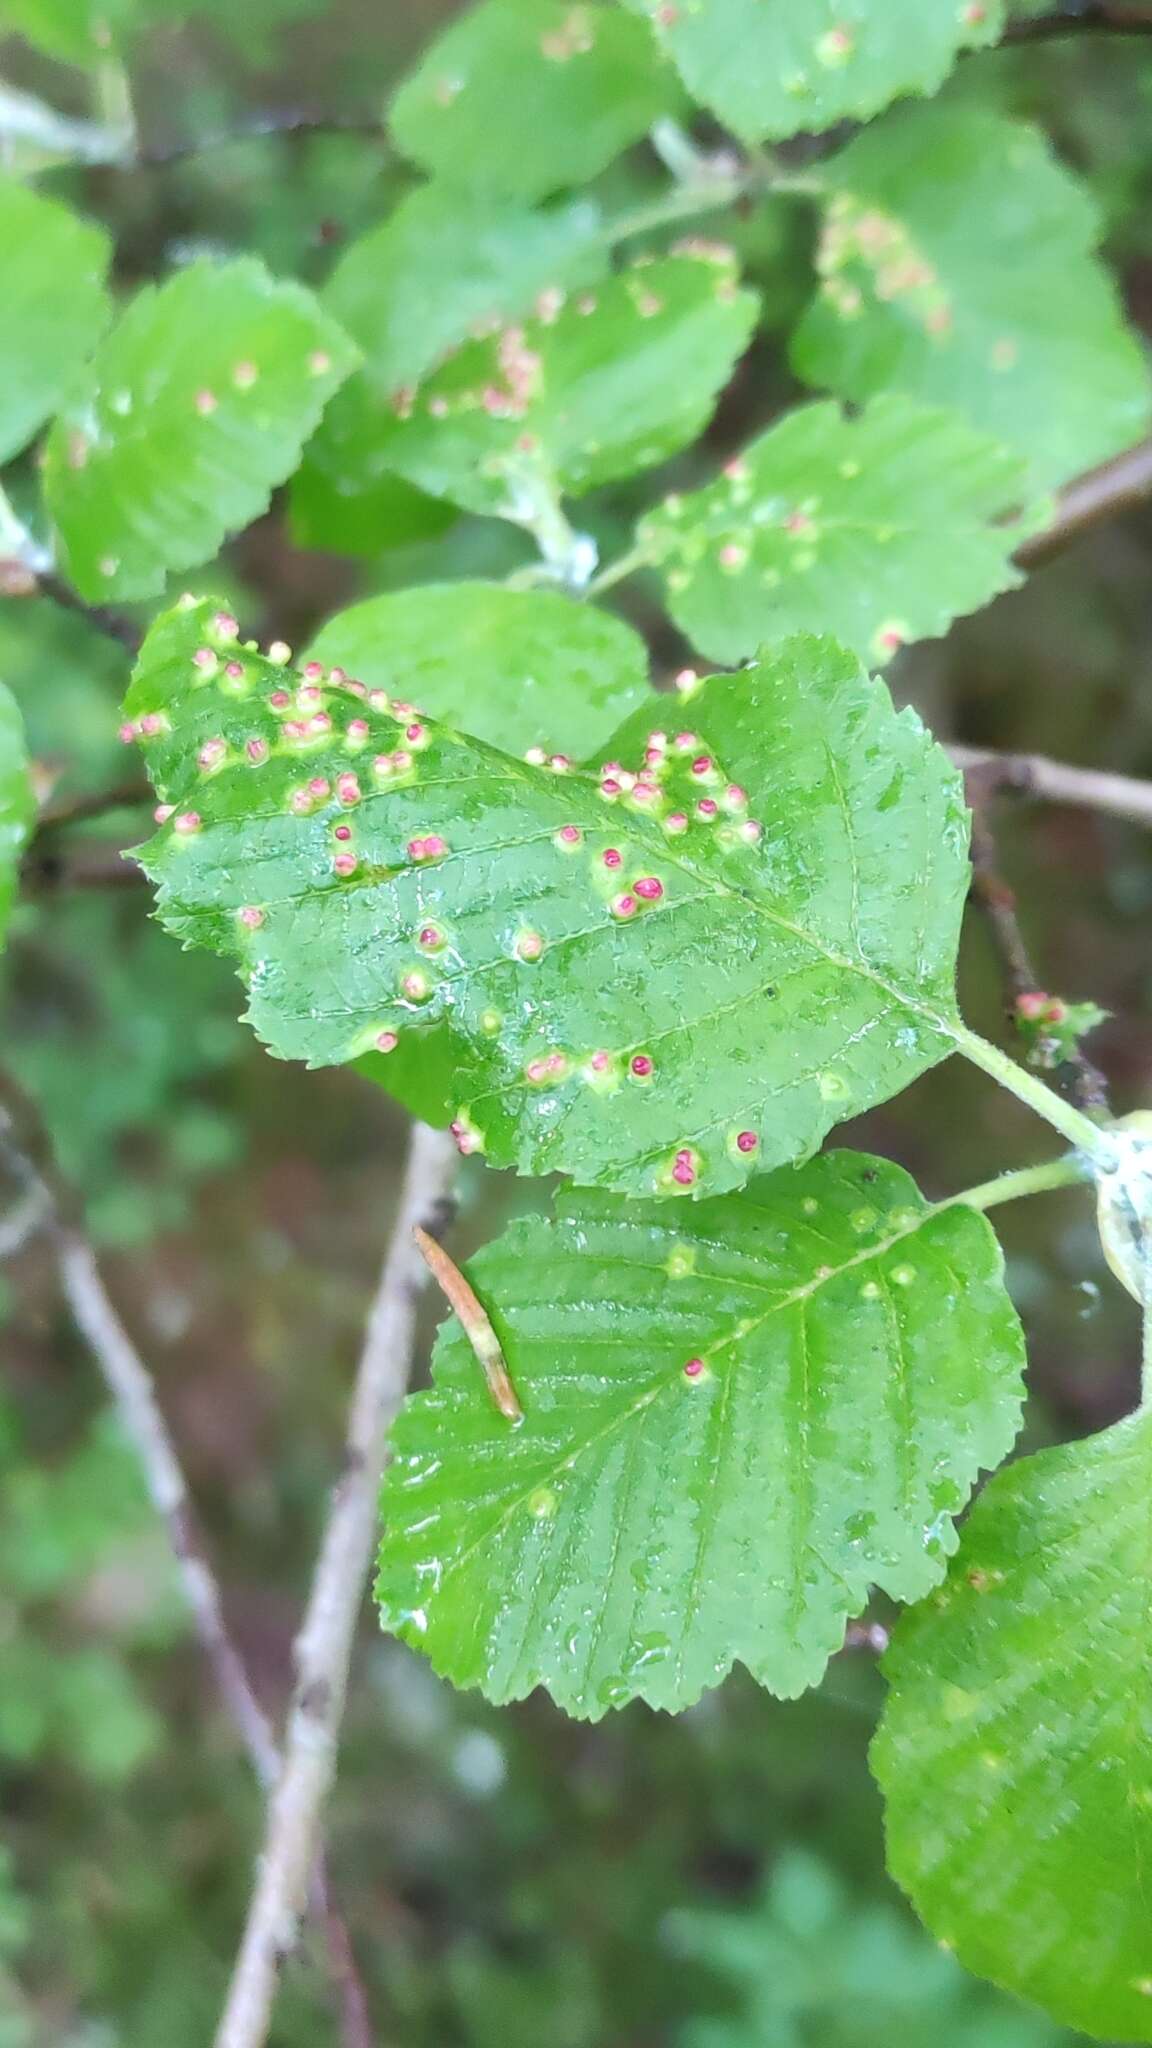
(115, 625)
(998, 902)
(290, 121)
(47, 1205)
(1085, 1084)
(76, 810)
(324, 1644)
(1099, 494)
(1083, 18)
(1034, 775)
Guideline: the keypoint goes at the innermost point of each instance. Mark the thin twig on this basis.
(49, 1205)
(324, 1644)
(1084, 1083)
(1082, 18)
(1034, 775)
(25, 1220)
(1099, 494)
(998, 902)
(49, 868)
(106, 619)
(290, 121)
(76, 810)
(130, 1385)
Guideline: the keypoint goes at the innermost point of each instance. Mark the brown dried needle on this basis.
(474, 1322)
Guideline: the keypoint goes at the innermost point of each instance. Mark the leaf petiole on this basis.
(615, 572)
(1072, 1124)
(1028, 1180)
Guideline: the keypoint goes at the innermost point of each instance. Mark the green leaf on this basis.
(1016, 1750)
(772, 67)
(878, 530)
(446, 261)
(17, 804)
(197, 405)
(1018, 327)
(518, 668)
(737, 1418)
(74, 31)
(444, 264)
(624, 1020)
(579, 83)
(592, 388)
(85, 32)
(52, 270)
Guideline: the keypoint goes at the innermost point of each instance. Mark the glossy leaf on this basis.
(579, 82)
(518, 668)
(1018, 326)
(197, 405)
(773, 67)
(591, 388)
(879, 530)
(445, 264)
(52, 269)
(630, 973)
(17, 804)
(737, 1418)
(1016, 1751)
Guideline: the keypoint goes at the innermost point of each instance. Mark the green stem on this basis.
(1071, 1123)
(566, 554)
(1028, 1180)
(624, 565)
(683, 202)
(679, 154)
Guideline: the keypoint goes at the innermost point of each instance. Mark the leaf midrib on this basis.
(664, 1383)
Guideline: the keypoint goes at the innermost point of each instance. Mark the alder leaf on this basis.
(526, 96)
(593, 387)
(518, 668)
(878, 530)
(17, 804)
(196, 406)
(52, 270)
(737, 1418)
(1018, 327)
(642, 984)
(447, 260)
(773, 67)
(1015, 1753)
(444, 264)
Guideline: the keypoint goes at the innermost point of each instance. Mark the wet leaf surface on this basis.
(737, 1418)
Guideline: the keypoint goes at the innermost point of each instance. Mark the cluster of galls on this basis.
(679, 785)
(861, 246)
